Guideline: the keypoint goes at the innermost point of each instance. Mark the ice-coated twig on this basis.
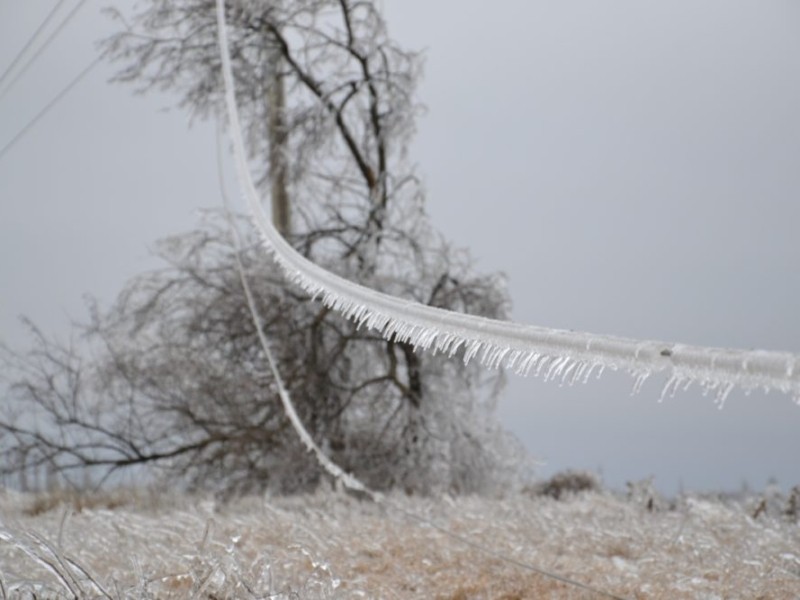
(50, 564)
(561, 355)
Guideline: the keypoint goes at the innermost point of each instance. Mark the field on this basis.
(142, 544)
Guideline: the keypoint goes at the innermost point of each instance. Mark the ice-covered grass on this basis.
(330, 545)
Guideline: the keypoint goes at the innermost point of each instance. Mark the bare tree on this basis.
(175, 378)
(319, 81)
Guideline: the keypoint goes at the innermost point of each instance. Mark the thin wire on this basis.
(30, 41)
(43, 47)
(58, 97)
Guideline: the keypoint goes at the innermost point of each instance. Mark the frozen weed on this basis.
(331, 546)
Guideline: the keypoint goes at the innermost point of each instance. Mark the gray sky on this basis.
(632, 166)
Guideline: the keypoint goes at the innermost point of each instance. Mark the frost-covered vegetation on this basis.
(174, 377)
(178, 380)
(137, 544)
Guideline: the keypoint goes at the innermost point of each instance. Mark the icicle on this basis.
(722, 395)
(551, 366)
(641, 377)
(489, 352)
(573, 365)
(501, 357)
(512, 359)
(498, 352)
(429, 339)
(588, 373)
(578, 373)
(403, 333)
(556, 367)
(360, 314)
(566, 361)
(444, 342)
(472, 349)
(487, 349)
(526, 365)
(456, 346)
(709, 386)
(671, 384)
(542, 363)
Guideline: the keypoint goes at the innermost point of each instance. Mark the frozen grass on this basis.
(330, 545)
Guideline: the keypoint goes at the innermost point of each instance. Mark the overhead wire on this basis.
(56, 99)
(348, 480)
(30, 41)
(64, 91)
(565, 356)
(331, 467)
(59, 28)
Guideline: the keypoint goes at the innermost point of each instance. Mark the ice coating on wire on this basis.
(560, 355)
(348, 480)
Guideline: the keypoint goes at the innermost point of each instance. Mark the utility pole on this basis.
(277, 135)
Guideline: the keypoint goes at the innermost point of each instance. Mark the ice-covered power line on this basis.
(59, 28)
(288, 406)
(346, 479)
(561, 355)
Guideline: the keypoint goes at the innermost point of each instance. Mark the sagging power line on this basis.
(346, 479)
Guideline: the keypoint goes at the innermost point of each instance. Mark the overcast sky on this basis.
(633, 167)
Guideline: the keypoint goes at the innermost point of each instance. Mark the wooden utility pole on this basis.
(277, 136)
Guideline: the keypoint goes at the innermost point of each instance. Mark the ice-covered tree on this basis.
(175, 378)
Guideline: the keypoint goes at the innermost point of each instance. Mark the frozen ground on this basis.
(330, 545)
